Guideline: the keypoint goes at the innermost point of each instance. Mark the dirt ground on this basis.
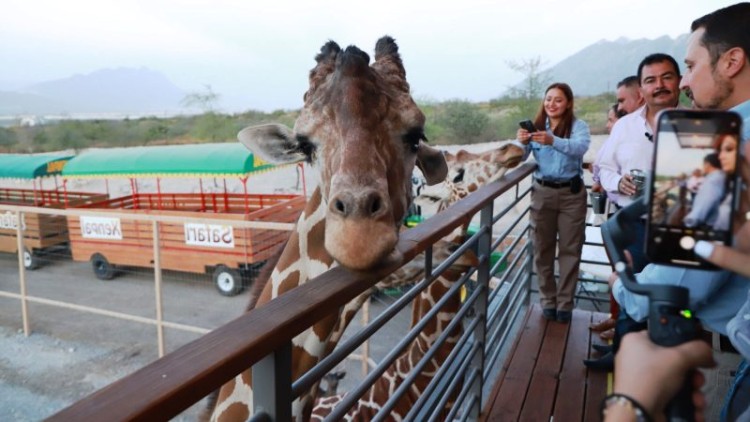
(70, 355)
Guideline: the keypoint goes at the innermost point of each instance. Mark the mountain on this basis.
(121, 90)
(597, 68)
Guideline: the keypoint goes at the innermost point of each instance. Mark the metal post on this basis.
(244, 191)
(272, 384)
(158, 192)
(22, 274)
(157, 284)
(479, 334)
(304, 182)
(366, 344)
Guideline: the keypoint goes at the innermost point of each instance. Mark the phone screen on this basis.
(693, 185)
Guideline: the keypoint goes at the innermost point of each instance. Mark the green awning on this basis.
(28, 166)
(195, 160)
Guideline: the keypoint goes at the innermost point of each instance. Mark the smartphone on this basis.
(693, 187)
(528, 125)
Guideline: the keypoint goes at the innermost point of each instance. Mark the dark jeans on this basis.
(624, 323)
(637, 249)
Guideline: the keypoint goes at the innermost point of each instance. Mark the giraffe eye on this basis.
(459, 176)
(412, 138)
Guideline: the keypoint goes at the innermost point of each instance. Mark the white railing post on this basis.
(157, 286)
(22, 274)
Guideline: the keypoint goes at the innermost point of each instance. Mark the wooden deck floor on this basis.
(544, 379)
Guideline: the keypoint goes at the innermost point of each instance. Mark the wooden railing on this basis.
(170, 385)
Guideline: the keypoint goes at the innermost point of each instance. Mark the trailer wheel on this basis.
(30, 260)
(228, 281)
(102, 268)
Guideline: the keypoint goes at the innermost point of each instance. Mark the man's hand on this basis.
(626, 185)
(735, 259)
(652, 374)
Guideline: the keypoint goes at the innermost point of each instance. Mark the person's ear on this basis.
(733, 61)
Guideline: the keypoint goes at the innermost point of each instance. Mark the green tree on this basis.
(463, 122)
(7, 138)
(531, 89)
(205, 100)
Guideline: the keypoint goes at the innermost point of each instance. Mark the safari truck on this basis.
(230, 254)
(41, 232)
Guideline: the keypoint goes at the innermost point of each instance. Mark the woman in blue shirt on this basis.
(558, 198)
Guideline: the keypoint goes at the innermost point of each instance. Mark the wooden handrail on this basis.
(168, 386)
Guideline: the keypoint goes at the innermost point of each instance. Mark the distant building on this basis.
(30, 120)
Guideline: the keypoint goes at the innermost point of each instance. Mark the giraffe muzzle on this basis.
(360, 231)
(367, 204)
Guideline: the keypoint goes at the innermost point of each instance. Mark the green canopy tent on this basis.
(194, 160)
(33, 167)
(28, 166)
(212, 160)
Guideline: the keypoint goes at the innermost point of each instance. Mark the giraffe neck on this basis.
(303, 258)
(379, 393)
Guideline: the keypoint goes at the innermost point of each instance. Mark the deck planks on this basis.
(543, 377)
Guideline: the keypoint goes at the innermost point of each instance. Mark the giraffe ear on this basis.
(432, 164)
(274, 143)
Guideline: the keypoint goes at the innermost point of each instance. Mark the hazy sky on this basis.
(257, 53)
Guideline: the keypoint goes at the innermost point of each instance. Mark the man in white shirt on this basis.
(630, 145)
(629, 99)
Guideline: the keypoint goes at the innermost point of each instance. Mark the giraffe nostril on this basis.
(340, 207)
(375, 206)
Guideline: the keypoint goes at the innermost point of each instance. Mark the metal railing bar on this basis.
(353, 396)
(507, 231)
(513, 282)
(511, 265)
(434, 348)
(345, 348)
(491, 358)
(498, 318)
(496, 218)
(465, 416)
(307, 380)
(443, 370)
(454, 383)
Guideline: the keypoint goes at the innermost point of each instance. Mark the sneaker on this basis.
(738, 329)
(549, 314)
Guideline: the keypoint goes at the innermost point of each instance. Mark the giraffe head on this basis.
(467, 172)
(362, 132)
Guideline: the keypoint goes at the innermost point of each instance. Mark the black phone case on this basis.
(528, 125)
(663, 246)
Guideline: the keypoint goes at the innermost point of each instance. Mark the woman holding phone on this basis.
(558, 197)
(727, 149)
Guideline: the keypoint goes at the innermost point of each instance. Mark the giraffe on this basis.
(469, 172)
(362, 132)
(379, 393)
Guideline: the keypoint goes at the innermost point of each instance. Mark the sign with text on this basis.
(212, 235)
(9, 220)
(101, 228)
